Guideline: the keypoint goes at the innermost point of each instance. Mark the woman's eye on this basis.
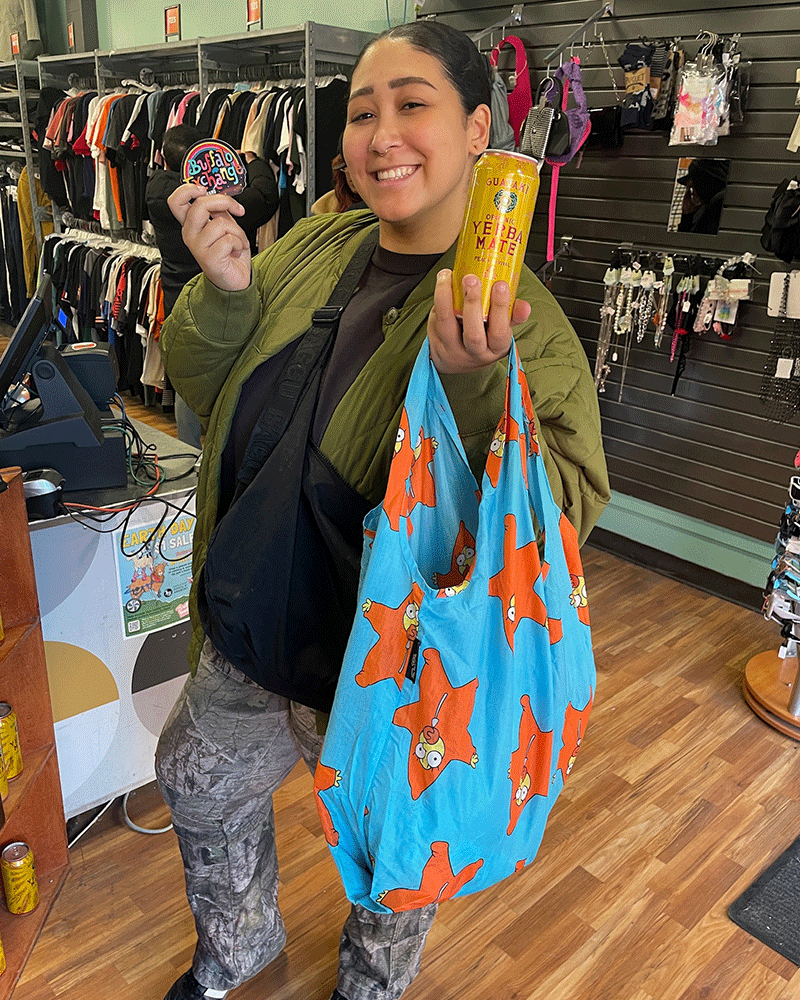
(413, 104)
(360, 116)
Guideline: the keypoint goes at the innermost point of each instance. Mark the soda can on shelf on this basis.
(9, 741)
(3, 780)
(497, 221)
(19, 878)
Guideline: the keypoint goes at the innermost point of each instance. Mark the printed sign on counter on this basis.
(154, 562)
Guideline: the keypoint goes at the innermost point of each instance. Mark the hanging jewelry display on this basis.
(779, 386)
(607, 313)
(647, 303)
(628, 321)
(663, 300)
(684, 323)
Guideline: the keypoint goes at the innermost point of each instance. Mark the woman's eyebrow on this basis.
(394, 84)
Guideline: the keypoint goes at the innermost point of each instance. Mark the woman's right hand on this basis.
(212, 235)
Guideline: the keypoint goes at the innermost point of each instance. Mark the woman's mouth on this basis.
(395, 173)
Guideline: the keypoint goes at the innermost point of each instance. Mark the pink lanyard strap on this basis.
(551, 217)
(520, 100)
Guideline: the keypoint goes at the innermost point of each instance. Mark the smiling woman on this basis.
(279, 533)
(412, 136)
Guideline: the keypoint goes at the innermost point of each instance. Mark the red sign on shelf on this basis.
(14, 43)
(172, 22)
(253, 13)
(71, 34)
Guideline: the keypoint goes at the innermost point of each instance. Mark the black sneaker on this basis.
(188, 988)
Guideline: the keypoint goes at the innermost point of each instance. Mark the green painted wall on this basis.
(737, 556)
(122, 24)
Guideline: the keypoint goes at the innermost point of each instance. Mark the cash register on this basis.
(53, 404)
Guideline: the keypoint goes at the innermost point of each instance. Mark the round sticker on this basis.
(216, 166)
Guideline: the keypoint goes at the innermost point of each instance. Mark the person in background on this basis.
(418, 119)
(343, 195)
(259, 201)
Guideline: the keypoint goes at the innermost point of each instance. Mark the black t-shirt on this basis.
(389, 278)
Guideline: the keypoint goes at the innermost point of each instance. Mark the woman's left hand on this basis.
(459, 346)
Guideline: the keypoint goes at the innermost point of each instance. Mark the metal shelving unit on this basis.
(18, 73)
(314, 48)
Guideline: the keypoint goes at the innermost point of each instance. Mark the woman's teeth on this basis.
(395, 174)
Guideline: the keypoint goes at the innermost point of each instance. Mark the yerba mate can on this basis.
(496, 224)
(19, 878)
(9, 741)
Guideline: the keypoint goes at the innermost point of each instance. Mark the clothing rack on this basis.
(94, 228)
(78, 233)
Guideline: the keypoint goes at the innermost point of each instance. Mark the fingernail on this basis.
(501, 287)
(471, 281)
(443, 276)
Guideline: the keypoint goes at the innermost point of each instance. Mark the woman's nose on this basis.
(383, 139)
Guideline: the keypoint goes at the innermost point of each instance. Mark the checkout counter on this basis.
(113, 589)
(115, 622)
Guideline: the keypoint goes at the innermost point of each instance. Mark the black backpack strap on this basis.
(307, 360)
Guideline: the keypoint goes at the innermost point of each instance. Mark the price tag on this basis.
(216, 166)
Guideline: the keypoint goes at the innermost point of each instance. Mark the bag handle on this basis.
(425, 389)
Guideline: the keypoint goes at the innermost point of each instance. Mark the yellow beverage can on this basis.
(9, 741)
(19, 878)
(496, 224)
(3, 778)
(2, 959)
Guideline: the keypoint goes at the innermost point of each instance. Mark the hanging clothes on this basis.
(28, 230)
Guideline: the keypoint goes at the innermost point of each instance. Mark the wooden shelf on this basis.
(33, 807)
(19, 787)
(14, 636)
(19, 933)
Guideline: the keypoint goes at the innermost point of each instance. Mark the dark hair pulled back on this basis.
(466, 68)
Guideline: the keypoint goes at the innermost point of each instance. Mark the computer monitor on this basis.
(18, 357)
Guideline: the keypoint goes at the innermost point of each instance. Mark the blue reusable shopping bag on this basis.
(469, 676)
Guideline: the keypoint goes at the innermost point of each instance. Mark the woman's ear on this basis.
(478, 126)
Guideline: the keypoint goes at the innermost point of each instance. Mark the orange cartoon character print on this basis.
(514, 586)
(527, 406)
(411, 466)
(400, 470)
(460, 565)
(575, 721)
(397, 630)
(507, 432)
(326, 778)
(578, 597)
(438, 725)
(530, 763)
(438, 882)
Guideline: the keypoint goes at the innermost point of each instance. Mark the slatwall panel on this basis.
(708, 452)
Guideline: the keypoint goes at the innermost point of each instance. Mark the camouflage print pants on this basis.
(225, 748)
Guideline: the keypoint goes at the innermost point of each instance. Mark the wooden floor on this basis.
(679, 798)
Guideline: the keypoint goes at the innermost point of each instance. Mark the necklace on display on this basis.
(607, 313)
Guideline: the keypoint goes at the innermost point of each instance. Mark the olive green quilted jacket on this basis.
(213, 340)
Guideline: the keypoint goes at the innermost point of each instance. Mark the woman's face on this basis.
(410, 147)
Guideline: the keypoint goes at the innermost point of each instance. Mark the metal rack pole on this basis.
(26, 142)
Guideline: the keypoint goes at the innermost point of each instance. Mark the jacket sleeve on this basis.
(202, 338)
(260, 197)
(566, 410)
